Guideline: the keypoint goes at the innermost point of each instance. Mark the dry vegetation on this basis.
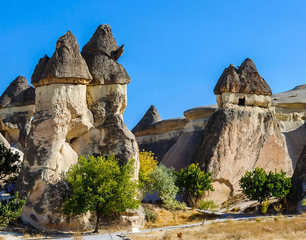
(170, 218)
(277, 228)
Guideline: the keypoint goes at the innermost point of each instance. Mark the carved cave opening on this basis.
(241, 102)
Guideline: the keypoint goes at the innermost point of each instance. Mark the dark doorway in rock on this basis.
(241, 102)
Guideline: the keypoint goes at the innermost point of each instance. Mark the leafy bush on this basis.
(260, 186)
(11, 210)
(163, 182)
(99, 184)
(193, 182)
(148, 163)
(278, 184)
(207, 205)
(8, 162)
(150, 215)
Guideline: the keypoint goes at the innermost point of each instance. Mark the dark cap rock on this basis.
(246, 80)
(18, 93)
(151, 116)
(65, 66)
(101, 54)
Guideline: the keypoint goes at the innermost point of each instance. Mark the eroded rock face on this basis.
(101, 54)
(150, 117)
(17, 108)
(61, 115)
(65, 66)
(246, 80)
(238, 139)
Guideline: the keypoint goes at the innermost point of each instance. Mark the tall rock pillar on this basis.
(61, 115)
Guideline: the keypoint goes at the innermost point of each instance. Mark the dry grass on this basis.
(170, 218)
(280, 228)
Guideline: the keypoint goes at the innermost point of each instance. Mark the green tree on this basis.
(163, 182)
(8, 162)
(260, 186)
(99, 184)
(279, 184)
(11, 210)
(193, 182)
(148, 163)
(254, 185)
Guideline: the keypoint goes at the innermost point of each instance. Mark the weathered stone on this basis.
(200, 112)
(237, 139)
(18, 93)
(17, 109)
(246, 80)
(150, 117)
(65, 66)
(299, 176)
(181, 154)
(101, 53)
(61, 115)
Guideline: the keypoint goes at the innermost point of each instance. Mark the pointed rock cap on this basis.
(101, 54)
(246, 79)
(151, 116)
(65, 66)
(18, 93)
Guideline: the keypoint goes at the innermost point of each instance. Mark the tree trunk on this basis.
(98, 221)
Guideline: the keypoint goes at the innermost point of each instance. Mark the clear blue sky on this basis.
(175, 49)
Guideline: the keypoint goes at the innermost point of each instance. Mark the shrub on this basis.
(11, 210)
(260, 186)
(148, 163)
(208, 205)
(99, 184)
(193, 182)
(8, 162)
(163, 182)
(254, 185)
(150, 215)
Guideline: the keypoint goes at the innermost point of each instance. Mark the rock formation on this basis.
(16, 111)
(238, 138)
(75, 114)
(151, 116)
(243, 86)
(181, 154)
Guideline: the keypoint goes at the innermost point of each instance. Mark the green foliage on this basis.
(208, 205)
(150, 215)
(11, 210)
(264, 206)
(254, 185)
(99, 184)
(260, 186)
(148, 163)
(163, 182)
(8, 162)
(304, 202)
(278, 184)
(193, 182)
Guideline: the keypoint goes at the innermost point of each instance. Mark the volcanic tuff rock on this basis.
(61, 114)
(17, 109)
(101, 53)
(181, 154)
(172, 140)
(65, 66)
(299, 175)
(150, 117)
(19, 92)
(246, 79)
(238, 139)
(71, 119)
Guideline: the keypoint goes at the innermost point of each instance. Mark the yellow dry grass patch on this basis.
(279, 228)
(170, 218)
